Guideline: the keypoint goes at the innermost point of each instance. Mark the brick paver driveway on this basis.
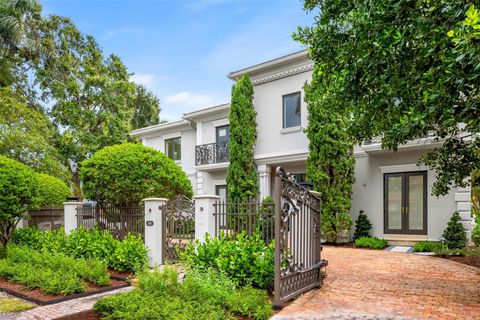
(368, 284)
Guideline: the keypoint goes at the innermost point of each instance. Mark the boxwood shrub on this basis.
(371, 242)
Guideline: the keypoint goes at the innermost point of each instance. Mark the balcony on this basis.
(211, 153)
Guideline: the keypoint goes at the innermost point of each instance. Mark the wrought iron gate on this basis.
(178, 226)
(297, 239)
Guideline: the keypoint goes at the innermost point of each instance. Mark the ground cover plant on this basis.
(245, 259)
(128, 255)
(14, 305)
(428, 246)
(53, 273)
(205, 294)
(371, 242)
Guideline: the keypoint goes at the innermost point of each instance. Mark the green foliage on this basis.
(146, 108)
(242, 178)
(371, 242)
(428, 246)
(202, 295)
(18, 194)
(247, 260)
(53, 273)
(14, 305)
(476, 193)
(52, 191)
(129, 254)
(476, 231)
(127, 173)
(455, 235)
(360, 49)
(458, 252)
(362, 226)
(330, 164)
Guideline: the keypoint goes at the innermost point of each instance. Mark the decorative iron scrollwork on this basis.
(179, 225)
(211, 153)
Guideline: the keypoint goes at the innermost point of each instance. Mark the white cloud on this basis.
(187, 99)
(121, 31)
(144, 78)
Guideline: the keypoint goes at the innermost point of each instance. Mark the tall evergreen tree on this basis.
(330, 164)
(146, 108)
(242, 178)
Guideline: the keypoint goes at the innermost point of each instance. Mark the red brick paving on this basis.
(369, 284)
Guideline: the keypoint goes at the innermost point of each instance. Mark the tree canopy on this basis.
(403, 70)
(125, 174)
(242, 178)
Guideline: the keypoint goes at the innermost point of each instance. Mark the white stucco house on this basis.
(393, 191)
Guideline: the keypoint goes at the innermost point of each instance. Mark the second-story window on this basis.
(291, 110)
(173, 148)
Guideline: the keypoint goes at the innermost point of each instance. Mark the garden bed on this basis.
(468, 260)
(39, 297)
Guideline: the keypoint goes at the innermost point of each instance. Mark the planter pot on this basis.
(343, 236)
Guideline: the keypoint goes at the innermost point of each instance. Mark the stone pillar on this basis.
(70, 219)
(264, 181)
(154, 238)
(204, 218)
(463, 200)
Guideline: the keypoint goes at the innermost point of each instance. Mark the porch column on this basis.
(463, 201)
(70, 219)
(204, 216)
(154, 230)
(264, 181)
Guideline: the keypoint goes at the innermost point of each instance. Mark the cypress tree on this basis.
(330, 164)
(242, 179)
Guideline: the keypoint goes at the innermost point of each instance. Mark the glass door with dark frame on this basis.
(223, 138)
(405, 203)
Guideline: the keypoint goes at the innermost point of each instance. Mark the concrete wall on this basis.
(368, 192)
(268, 105)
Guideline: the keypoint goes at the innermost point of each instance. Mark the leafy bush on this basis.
(127, 173)
(204, 294)
(362, 226)
(18, 194)
(455, 235)
(52, 191)
(476, 231)
(371, 242)
(53, 273)
(428, 246)
(247, 260)
(127, 255)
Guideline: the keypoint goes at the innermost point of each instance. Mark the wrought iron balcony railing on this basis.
(211, 153)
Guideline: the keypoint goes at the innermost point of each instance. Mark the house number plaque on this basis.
(149, 223)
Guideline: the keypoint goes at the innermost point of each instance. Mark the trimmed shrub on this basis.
(428, 246)
(371, 242)
(362, 226)
(127, 173)
(476, 231)
(52, 191)
(455, 235)
(247, 260)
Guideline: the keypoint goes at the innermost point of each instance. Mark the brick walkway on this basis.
(368, 284)
(61, 309)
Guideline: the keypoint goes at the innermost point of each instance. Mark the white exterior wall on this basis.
(368, 192)
(268, 105)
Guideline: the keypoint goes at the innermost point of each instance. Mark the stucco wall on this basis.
(368, 192)
(268, 105)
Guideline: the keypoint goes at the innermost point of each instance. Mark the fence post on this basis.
(70, 220)
(204, 216)
(154, 211)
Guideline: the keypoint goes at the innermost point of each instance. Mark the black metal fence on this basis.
(49, 218)
(119, 220)
(232, 218)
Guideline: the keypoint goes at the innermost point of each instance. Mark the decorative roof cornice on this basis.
(283, 74)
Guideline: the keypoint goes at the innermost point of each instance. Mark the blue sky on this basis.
(183, 50)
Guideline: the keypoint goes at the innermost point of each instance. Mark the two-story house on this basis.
(390, 187)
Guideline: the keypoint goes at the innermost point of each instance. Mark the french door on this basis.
(405, 202)
(223, 138)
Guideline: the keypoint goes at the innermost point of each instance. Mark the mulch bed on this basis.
(39, 297)
(468, 260)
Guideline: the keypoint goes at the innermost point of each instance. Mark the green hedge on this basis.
(247, 260)
(371, 242)
(54, 273)
(52, 191)
(129, 254)
(428, 246)
(203, 295)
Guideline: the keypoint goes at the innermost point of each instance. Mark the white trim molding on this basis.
(220, 123)
(283, 74)
(403, 168)
(291, 129)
